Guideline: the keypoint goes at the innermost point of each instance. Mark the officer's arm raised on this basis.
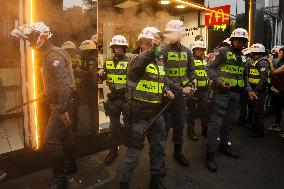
(138, 64)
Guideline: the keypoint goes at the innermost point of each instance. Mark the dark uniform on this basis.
(76, 65)
(245, 115)
(146, 85)
(229, 66)
(89, 86)
(59, 86)
(180, 71)
(198, 107)
(258, 79)
(116, 70)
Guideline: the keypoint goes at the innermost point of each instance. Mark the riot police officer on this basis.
(147, 85)
(70, 48)
(228, 70)
(59, 86)
(114, 72)
(197, 106)
(258, 79)
(88, 74)
(180, 71)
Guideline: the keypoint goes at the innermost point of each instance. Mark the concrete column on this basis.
(255, 12)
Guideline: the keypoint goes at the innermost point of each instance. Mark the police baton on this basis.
(24, 104)
(146, 129)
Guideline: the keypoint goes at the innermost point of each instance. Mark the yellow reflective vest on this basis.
(116, 74)
(232, 72)
(200, 72)
(150, 87)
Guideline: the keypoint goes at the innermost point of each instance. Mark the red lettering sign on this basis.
(217, 16)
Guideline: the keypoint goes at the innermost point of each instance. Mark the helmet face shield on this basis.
(36, 33)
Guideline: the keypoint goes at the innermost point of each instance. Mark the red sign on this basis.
(217, 16)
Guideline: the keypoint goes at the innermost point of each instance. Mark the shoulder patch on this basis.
(123, 64)
(262, 69)
(55, 63)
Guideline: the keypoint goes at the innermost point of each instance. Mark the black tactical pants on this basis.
(221, 118)
(156, 137)
(197, 109)
(59, 140)
(175, 118)
(116, 109)
(256, 108)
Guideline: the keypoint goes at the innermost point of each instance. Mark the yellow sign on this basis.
(222, 27)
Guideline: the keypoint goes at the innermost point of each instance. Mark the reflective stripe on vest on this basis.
(200, 73)
(232, 69)
(150, 87)
(201, 83)
(119, 79)
(176, 71)
(231, 73)
(175, 56)
(122, 65)
(152, 69)
(233, 82)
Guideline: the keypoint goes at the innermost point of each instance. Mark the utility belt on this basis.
(73, 97)
(263, 89)
(143, 111)
(232, 89)
(202, 89)
(117, 94)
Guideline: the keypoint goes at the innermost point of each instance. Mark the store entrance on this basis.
(11, 124)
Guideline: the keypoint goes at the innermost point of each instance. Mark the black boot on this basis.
(60, 179)
(70, 165)
(155, 182)
(227, 150)
(211, 164)
(112, 155)
(124, 185)
(178, 156)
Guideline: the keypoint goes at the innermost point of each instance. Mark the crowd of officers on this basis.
(164, 85)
